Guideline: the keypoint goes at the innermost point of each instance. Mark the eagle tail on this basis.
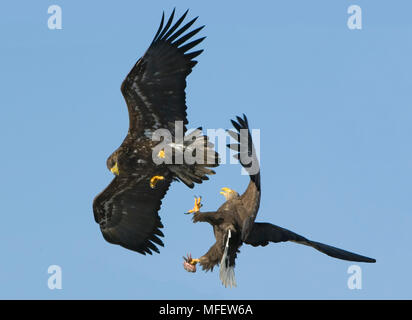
(198, 156)
(227, 271)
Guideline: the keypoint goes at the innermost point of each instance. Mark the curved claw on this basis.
(188, 257)
(197, 205)
(189, 264)
(154, 180)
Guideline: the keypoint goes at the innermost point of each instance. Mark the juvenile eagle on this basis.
(234, 222)
(154, 90)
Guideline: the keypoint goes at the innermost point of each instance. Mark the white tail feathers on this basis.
(227, 273)
(194, 148)
(205, 153)
(192, 158)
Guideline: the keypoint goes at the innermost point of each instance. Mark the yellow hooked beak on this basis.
(115, 169)
(225, 191)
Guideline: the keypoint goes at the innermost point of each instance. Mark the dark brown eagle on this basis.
(234, 222)
(154, 90)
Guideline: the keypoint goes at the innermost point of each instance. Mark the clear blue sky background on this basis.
(333, 106)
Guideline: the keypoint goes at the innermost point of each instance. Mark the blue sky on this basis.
(333, 106)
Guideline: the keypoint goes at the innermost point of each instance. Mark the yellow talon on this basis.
(154, 180)
(197, 205)
(161, 154)
(189, 264)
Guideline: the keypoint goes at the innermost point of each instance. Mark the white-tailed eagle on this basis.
(234, 222)
(154, 90)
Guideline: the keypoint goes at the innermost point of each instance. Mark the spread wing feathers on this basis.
(245, 148)
(200, 150)
(154, 89)
(127, 211)
(263, 233)
(248, 159)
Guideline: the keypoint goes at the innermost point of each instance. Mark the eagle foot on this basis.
(189, 264)
(197, 205)
(161, 154)
(154, 180)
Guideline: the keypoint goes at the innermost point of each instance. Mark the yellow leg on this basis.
(197, 205)
(154, 180)
(161, 154)
(194, 261)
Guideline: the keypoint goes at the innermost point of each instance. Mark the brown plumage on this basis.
(154, 90)
(234, 222)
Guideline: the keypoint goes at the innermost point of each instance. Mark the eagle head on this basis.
(112, 164)
(229, 193)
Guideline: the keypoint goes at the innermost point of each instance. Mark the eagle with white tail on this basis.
(154, 90)
(234, 222)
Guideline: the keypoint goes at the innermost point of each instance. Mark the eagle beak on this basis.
(115, 169)
(225, 191)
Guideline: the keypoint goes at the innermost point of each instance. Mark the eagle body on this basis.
(220, 229)
(234, 222)
(154, 91)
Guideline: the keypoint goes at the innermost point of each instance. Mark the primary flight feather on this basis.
(154, 91)
(234, 222)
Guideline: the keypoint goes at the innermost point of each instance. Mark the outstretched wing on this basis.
(246, 150)
(248, 159)
(127, 212)
(263, 233)
(154, 89)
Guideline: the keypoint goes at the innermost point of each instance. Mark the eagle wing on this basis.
(263, 233)
(250, 199)
(127, 212)
(154, 89)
